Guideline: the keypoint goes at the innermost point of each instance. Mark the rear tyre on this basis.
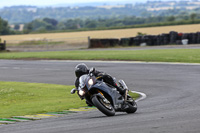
(103, 106)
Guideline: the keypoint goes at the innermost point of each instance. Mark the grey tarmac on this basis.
(172, 104)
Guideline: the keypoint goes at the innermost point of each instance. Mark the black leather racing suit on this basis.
(106, 78)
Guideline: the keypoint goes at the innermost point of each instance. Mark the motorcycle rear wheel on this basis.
(105, 108)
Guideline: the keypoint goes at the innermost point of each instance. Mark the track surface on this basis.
(172, 104)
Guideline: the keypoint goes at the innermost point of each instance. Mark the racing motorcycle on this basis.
(103, 96)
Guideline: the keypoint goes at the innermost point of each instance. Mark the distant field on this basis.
(79, 40)
(119, 33)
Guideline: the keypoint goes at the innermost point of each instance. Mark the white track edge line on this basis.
(135, 62)
(142, 96)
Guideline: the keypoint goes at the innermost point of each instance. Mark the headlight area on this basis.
(90, 82)
(84, 88)
(81, 92)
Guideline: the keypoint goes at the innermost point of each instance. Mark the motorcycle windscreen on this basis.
(83, 81)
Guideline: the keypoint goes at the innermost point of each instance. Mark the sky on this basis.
(4, 3)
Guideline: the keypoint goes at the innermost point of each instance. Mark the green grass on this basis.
(134, 95)
(20, 98)
(164, 55)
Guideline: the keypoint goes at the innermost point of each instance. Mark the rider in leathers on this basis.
(82, 69)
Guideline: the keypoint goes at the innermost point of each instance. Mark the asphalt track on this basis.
(172, 104)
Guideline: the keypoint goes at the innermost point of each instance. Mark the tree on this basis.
(28, 28)
(4, 27)
(17, 26)
(50, 27)
(51, 21)
(171, 18)
(61, 26)
(38, 25)
(73, 24)
(91, 24)
(193, 16)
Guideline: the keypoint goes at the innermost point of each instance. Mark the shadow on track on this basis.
(104, 116)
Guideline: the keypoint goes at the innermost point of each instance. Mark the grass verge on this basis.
(20, 98)
(164, 55)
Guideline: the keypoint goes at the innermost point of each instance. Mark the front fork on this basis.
(104, 99)
(125, 97)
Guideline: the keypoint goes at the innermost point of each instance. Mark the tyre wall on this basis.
(172, 37)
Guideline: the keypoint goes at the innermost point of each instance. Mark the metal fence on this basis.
(44, 44)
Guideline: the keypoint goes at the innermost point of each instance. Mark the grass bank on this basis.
(20, 98)
(161, 55)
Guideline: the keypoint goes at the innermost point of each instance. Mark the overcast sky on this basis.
(4, 3)
(52, 2)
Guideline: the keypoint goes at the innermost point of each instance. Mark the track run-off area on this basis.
(172, 104)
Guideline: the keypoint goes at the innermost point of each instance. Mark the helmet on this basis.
(81, 69)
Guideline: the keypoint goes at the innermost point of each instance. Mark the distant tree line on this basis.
(53, 25)
(26, 14)
(49, 24)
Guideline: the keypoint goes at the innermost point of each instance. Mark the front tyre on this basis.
(103, 106)
(132, 107)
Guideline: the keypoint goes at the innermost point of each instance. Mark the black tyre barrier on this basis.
(137, 40)
(2, 46)
(198, 37)
(125, 42)
(158, 40)
(150, 40)
(191, 38)
(194, 38)
(132, 41)
(165, 39)
(185, 36)
(102, 43)
(173, 37)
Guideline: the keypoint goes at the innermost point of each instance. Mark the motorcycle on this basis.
(103, 96)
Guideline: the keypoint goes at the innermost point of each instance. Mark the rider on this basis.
(82, 69)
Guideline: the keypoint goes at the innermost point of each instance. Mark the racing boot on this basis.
(121, 90)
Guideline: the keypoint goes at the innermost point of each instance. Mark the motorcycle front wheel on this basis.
(132, 107)
(103, 106)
